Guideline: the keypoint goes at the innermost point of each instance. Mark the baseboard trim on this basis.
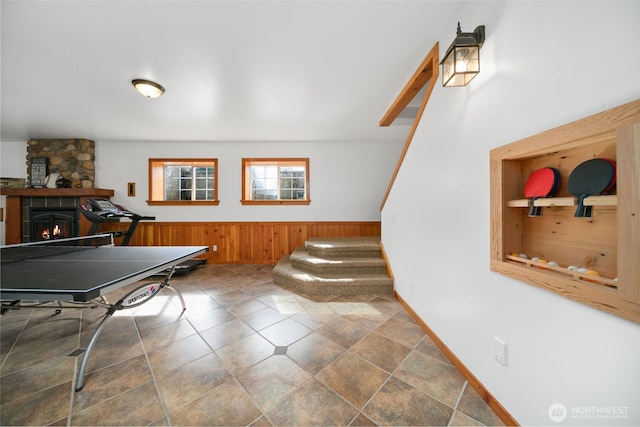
(500, 411)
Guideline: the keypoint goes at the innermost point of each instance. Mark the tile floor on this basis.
(245, 352)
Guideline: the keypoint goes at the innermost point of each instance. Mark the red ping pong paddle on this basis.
(589, 178)
(615, 173)
(541, 183)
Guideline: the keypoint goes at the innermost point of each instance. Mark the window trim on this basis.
(156, 174)
(274, 160)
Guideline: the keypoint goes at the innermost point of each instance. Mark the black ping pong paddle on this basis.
(541, 183)
(589, 178)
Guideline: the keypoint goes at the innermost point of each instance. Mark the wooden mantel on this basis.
(14, 211)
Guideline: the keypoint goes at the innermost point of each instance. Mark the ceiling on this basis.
(237, 70)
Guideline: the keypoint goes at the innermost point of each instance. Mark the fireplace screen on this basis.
(53, 223)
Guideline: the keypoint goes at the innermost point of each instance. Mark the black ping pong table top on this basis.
(81, 276)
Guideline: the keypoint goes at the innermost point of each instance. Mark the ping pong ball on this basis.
(535, 259)
(553, 264)
(572, 268)
(523, 256)
(591, 273)
(583, 270)
(543, 262)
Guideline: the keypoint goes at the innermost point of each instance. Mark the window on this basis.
(183, 181)
(275, 181)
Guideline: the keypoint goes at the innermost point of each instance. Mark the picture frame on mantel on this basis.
(39, 174)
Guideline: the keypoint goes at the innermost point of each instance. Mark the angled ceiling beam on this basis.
(426, 72)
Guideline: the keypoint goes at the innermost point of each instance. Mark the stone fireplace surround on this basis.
(73, 159)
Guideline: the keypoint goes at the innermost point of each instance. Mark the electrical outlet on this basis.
(214, 248)
(500, 351)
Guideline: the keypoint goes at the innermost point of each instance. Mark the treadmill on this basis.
(101, 211)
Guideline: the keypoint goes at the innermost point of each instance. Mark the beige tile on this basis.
(381, 351)
(188, 382)
(471, 404)
(245, 353)
(386, 304)
(226, 405)
(312, 321)
(110, 381)
(352, 377)
(162, 336)
(399, 404)
(432, 376)
(119, 341)
(33, 379)
(43, 338)
(405, 333)
(137, 406)
(313, 404)
(226, 333)
(343, 332)
(24, 355)
(285, 332)
(427, 346)
(263, 318)
(247, 307)
(460, 419)
(204, 321)
(178, 354)
(232, 298)
(52, 405)
(271, 380)
(362, 421)
(314, 352)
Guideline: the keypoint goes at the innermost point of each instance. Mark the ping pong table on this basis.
(80, 272)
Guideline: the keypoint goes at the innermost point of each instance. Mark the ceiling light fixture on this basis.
(148, 88)
(462, 60)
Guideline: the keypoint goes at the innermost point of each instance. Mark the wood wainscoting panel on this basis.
(241, 242)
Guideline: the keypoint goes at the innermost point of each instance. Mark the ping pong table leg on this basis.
(92, 342)
(120, 305)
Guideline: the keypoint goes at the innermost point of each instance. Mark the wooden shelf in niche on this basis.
(601, 200)
(608, 242)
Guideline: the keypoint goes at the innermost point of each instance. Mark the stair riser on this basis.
(339, 253)
(328, 270)
(314, 288)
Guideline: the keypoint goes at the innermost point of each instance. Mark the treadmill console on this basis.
(102, 206)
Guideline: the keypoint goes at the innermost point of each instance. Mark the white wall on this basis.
(543, 64)
(347, 179)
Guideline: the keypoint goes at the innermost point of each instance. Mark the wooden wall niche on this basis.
(609, 242)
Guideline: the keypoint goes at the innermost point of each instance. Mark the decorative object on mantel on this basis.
(461, 63)
(39, 171)
(12, 182)
(72, 159)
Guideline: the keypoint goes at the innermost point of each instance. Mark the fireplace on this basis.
(47, 223)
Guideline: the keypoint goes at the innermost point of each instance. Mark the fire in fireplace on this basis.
(53, 223)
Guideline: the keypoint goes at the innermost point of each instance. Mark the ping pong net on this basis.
(45, 248)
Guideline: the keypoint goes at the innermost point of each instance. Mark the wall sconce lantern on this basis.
(462, 60)
(148, 88)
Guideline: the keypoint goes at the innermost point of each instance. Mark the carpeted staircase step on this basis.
(286, 274)
(338, 248)
(336, 266)
(303, 260)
